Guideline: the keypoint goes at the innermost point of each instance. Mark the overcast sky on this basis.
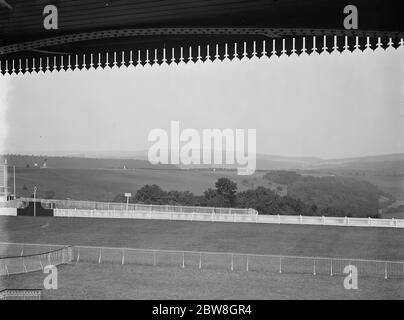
(328, 106)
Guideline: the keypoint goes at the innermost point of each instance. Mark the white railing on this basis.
(23, 263)
(70, 208)
(110, 206)
(239, 261)
(217, 217)
(157, 215)
(331, 221)
(231, 261)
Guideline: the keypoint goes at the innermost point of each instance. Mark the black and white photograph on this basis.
(208, 151)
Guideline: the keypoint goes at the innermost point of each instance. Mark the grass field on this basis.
(103, 185)
(114, 281)
(147, 282)
(347, 242)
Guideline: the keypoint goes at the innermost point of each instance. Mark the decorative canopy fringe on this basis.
(251, 49)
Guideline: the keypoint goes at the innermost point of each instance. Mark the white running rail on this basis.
(217, 217)
(231, 261)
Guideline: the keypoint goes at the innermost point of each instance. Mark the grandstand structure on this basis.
(136, 33)
(3, 182)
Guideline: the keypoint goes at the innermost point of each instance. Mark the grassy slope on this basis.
(393, 185)
(84, 184)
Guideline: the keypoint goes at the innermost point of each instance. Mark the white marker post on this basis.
(127, 195)
(35, 188)
(15, 191)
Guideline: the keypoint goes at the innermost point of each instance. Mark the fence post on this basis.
(123, 256)
(25, 267)
(70, 254)
(99, 258)
(247, 264)
(331, 268)
(78, 254)
(200, 261)
(385, 270)
(232, 262)
(280, 264)
(314, 268)
(183, 260)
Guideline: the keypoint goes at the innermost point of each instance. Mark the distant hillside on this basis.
(353, 197)
(81, 162)
(377, 158)
(386, 165)
(265, 162)
(382, 165)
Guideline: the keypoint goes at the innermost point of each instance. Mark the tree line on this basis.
(226, 194)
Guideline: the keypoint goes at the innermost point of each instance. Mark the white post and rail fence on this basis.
(231, 261)
(93, 209)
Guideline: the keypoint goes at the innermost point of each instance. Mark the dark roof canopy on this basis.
(95, 32)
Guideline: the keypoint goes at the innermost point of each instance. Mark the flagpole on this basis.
(15, 191)
(35, 201)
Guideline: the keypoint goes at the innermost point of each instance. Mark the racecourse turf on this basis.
(300, 240)
(114, 281)
(131, 281)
